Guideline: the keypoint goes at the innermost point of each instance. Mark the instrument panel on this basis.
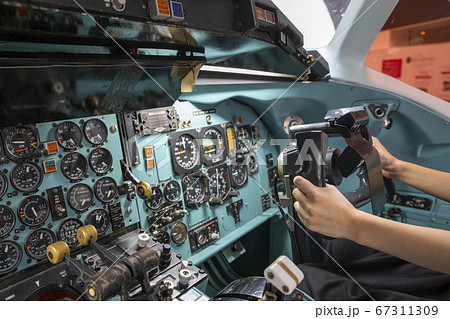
(58, 176)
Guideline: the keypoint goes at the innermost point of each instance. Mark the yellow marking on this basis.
(290, 273)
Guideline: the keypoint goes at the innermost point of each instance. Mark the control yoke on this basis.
(309, 156)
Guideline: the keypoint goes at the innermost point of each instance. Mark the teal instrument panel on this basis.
(61, 186)
(58, 176)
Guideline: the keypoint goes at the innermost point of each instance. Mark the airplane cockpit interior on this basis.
(149, 149)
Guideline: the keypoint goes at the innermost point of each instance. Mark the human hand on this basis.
(389, 164)
(324, 209)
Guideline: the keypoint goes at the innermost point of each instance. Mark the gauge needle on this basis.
(109, 193)
(34, 211)
(71, 141)
(6, 249)
(41, 237)
(82, 203)
(78, 169)
(18, 142)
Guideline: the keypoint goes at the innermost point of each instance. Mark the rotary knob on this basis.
(119, 5)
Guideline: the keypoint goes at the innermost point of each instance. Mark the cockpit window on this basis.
(413, 46)
(317, 20)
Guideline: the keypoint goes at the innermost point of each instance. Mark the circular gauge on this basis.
(7, 220)
(26, 177)
(218, 182)
(74, 166)
(179, 233)
(156, 199)
(200, 237)
(105, 189)
(239, 174)
(67, 231)
(186, 151)
(3, 184)
(252, 163)
(68, 134)
(172, 191)
(98, 218)
(95, 131)
(37, 241)
(100, 160)
(213, 145)
(21, 142)
(80, 197)
(33, 210)
(10, 256)
(244, 142)
(194, 189)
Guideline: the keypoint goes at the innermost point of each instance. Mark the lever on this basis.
(143, 189)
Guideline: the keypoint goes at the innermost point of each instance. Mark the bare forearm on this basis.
(426, 247)
(427, 180)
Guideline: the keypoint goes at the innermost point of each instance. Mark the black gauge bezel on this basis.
(102, 231)
(247, 163)
(64, 222)
(172, 181)
(13, 224)
(90, 139)
(239, 162)
(36, 186)
(239, 149)
(91, 165)
(69, 201)
(84, 170)
(77, 143)
(22, 203)
(99, 195)
(26, 244)
(207, 161)
(198, 163)
(5, 186)
(19, 257)
(224, 169)
(14, 157)
(185, 233)
(161, 196)
(204, 182)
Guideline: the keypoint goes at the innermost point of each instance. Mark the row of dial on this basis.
(27, 176)
(213, 186)
(34, 210)
(208, 146)
(22, 142)
(38, 240)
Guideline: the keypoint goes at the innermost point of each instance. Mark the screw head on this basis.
(285, 289)
(270, 275)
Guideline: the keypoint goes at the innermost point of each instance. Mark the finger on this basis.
(301, 212)
(299, 195)
(304, 185)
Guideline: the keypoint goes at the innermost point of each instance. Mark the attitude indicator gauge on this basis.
(213, 144)
(10, 256)
(37, 241)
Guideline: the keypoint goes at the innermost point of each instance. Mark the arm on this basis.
(427, 180)
(327, 211)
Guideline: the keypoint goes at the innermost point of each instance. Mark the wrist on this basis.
(399, 170)
(355, 227)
